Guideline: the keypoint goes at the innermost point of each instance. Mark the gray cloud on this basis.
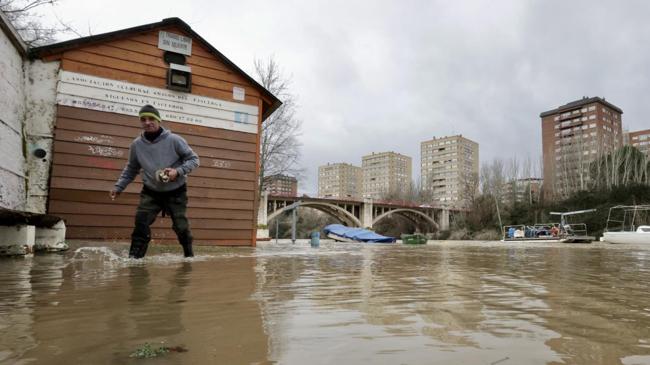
(386, 75)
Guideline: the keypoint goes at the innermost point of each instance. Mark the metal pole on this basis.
(277, 228)
(293, 225)
(496, 202)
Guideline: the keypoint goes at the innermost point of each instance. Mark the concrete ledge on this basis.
(10, 217)
(22, 233)
(17, 240)
(51, 239)
(262, 234)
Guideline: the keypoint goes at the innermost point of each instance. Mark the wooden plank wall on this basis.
(91, 148)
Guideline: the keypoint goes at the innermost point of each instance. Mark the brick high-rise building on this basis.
(522, 190)
(385, 173)
(339, 180)
(447, 167)
(573, 136)
(281, 185)
(638, 139)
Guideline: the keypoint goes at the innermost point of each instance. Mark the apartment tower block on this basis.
(573, 136)
(281, 185)
(639, 139)
(340, 180)
(386, 173)
(448, 167)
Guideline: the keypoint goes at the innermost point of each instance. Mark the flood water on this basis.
(443, 303)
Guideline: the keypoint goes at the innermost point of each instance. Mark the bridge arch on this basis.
(405, 210)
(327, 208)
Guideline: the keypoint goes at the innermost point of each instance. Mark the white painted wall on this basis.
(12, 110)
(40, 116)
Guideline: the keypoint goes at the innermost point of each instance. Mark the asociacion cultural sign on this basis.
(91, 92)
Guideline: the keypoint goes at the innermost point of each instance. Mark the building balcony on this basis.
(565, 125)
(572, 115)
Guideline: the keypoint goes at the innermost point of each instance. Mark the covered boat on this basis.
(342, 233)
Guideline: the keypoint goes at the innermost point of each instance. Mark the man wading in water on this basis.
(165, 160)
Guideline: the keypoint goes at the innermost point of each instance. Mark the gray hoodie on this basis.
(168, 150)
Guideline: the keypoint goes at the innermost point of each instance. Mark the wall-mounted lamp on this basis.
(179, 77)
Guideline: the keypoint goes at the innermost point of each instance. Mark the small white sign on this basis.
(175, 43)
(238, 93)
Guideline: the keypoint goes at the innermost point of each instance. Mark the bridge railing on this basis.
(395, 203)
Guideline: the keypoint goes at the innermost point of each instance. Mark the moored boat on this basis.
(625, 224)
(414, 239)
(342, 233)
(544, 232)
(550, 232)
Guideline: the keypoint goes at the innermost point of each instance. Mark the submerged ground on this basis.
(443, 303)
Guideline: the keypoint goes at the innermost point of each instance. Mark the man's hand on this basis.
(172, 173)
(114, 194)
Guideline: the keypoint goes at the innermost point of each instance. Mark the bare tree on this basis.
(512, 177)
(527, 171)
(624, 166)
(470, 188)
(493, 179)
(573, 157)
(30, 26)
(414, 193)
(279, 143)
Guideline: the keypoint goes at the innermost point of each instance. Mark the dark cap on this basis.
(149, 111)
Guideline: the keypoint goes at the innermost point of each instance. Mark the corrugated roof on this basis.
(580, 102)
(50, 49)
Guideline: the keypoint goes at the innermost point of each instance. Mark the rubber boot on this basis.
(187, 250)
(137, 250)
(185, 239)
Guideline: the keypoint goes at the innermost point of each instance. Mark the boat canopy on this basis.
(357, 234)
(574, 212)
(627, 218)
(562, 215)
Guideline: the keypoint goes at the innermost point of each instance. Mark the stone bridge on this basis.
(356, 213)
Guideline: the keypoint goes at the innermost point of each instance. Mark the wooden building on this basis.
(103, 80)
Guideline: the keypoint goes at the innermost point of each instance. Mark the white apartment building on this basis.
(447, 167)
(386, 173)
(339, 180)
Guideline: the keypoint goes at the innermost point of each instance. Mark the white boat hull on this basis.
(627, 237)
(340, 238)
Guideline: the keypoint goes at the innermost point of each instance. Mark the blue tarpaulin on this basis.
(357, 234)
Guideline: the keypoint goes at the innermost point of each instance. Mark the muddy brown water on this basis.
(443, 303)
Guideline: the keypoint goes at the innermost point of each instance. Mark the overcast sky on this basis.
(374, 76)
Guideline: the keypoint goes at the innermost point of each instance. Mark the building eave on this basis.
(55, 48)
(579, 103)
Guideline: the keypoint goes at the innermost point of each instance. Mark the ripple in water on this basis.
(342, 303)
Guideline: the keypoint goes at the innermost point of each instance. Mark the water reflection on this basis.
(51, 314)
(453, 304)
(27, 283)
(16, 334)
(290, 304)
